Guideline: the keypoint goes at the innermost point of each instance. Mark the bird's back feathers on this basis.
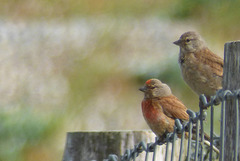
(211, 59)
(172, 107)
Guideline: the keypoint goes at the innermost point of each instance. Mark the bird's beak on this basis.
(143, 88)
(178, 42)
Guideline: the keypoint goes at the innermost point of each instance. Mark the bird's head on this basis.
(190, 42)
(154, 88)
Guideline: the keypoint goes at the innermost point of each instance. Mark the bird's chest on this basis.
(151, 114)
(189, 66)
(195, 73)
(187, 60)
(156, 119)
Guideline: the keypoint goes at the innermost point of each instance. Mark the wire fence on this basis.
(197, 149)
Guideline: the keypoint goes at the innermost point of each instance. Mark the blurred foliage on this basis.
(101, 77)
(68, 8)
(218, 18)
(23, 129)
(215, 16)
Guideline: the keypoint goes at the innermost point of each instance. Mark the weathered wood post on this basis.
(93, 145)
(231, 81)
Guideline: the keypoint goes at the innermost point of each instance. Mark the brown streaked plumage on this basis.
(201, 69)
(160, 108)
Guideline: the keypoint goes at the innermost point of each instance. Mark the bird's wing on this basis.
(213, 60)
(173, 107)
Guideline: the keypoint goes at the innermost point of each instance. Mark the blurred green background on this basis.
(73, 65)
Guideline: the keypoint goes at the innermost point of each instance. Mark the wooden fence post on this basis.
(87, 146)
(92, 145)
(231, 81)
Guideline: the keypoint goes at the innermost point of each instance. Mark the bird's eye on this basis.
(152, 87)
(188, 40)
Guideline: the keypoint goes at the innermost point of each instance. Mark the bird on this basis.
(160, 107)
(201, 69)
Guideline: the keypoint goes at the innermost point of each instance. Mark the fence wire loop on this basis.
(191, 114)
(179, 126)
(238, 93)
(112, 157)
(141, 147)
(226, 94)
(151, 147)
(127, 155)
(203, 103)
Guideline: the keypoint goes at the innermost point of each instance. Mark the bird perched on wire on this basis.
(201, 69)
(160, 108)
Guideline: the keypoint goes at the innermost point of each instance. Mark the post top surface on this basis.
(233, 42)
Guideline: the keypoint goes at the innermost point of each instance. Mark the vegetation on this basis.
(99, 79)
